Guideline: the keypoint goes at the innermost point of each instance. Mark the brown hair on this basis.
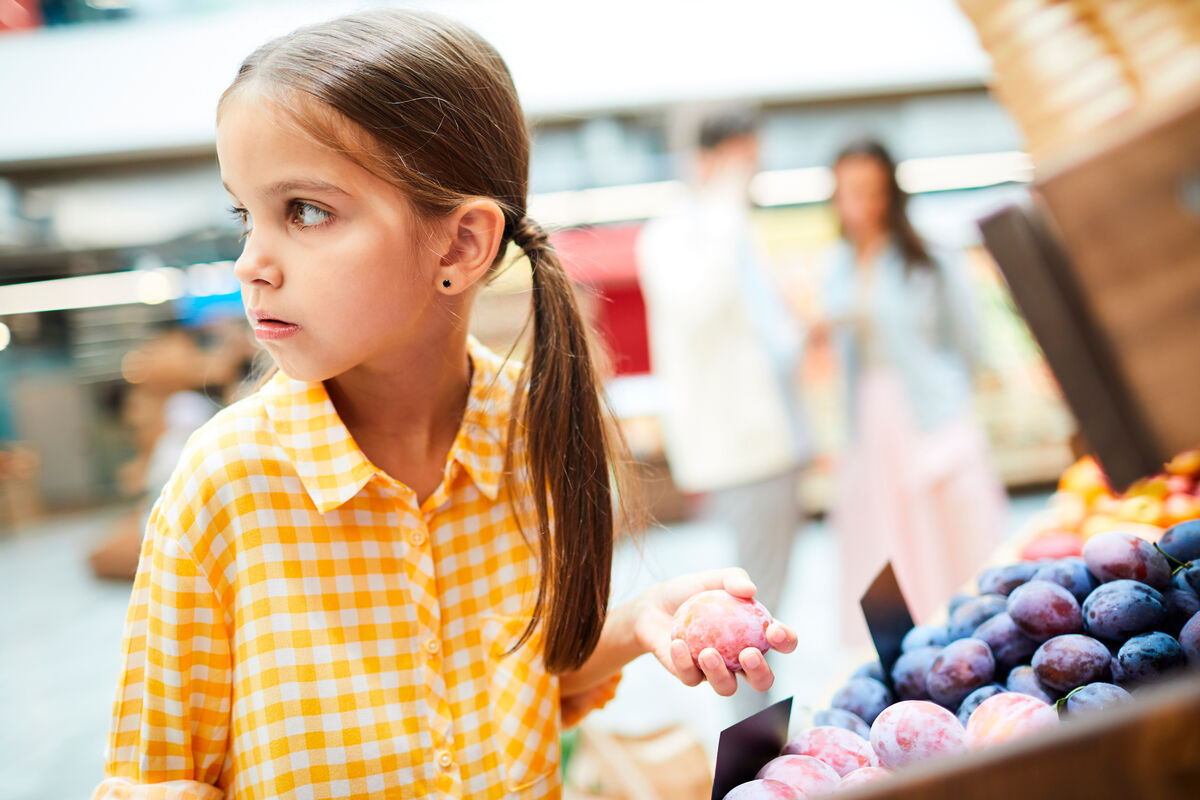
(443, 124)
(911, 247)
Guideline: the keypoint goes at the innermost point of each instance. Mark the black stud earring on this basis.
(446, 283)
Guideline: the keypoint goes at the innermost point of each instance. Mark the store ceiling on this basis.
(151, 86)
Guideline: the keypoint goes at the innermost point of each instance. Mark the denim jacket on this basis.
(925, 323)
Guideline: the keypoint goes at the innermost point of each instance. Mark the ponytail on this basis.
(567, 451)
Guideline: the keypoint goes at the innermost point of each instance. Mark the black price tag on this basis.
(888, 618)
(744, 748)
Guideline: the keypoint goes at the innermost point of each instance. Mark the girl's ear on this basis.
(472, 236)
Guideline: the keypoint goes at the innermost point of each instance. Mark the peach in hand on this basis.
(724, 622)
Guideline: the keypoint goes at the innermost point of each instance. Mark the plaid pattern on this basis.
(299, 627)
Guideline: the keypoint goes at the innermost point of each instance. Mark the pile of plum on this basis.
(1042, 641)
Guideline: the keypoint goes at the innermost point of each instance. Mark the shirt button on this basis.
(433, 646)
(445, 760)
(416, 538)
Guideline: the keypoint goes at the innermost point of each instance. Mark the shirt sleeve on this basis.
(170, 727)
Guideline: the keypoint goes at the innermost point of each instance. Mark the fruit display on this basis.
(1086, 505)
(726, 623)
(1042, 643)
(1102, 601)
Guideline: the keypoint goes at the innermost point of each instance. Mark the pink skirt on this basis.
(928, 500)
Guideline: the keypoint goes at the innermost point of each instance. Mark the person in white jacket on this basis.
(725, 349)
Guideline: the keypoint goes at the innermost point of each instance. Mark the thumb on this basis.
(737, 582)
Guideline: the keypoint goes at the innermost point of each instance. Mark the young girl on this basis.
(386, 573)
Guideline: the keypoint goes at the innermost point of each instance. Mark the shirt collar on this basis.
(483, 435)
(333, 469)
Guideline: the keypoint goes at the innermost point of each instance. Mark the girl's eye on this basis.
(306, 215)
(242, 216)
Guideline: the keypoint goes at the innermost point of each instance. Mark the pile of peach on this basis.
(826, 759)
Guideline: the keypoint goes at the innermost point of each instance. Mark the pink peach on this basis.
(1008, 715)
(807, 775)
(722, 621)
(915, 730)
(864, 775)
(841, 749)
(763, 790)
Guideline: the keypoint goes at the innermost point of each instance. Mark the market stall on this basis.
(1072, 667)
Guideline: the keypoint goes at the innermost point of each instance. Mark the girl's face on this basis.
(333, 273)
(862, 199)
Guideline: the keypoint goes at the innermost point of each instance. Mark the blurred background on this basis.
(121, 326)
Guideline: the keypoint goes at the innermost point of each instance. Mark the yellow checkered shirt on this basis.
(300, 627)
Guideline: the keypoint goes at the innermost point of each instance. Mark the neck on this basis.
(869, 244)
(412, 400)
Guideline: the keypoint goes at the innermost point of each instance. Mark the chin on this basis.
(301, 371)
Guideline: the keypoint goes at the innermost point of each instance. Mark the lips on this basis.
(267, 327)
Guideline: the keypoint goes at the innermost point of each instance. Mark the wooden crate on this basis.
(1149, 750)
(1105, 266)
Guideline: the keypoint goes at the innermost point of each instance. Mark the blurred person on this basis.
(386, 572)
(916, 484)
(725, 349)
(175, 386)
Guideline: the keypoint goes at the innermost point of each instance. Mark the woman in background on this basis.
(917, 485)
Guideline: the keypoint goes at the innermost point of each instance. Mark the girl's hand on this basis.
(653, 623)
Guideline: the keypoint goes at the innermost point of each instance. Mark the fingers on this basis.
(719, 677)
(755, 668)
(735, 581)
(781, 637)
(711, 667)
(682, 665)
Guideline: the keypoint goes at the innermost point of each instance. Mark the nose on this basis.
(257, 266)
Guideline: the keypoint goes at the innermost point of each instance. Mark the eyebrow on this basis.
(291, 186)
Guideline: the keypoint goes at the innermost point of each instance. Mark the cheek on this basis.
(364, 270)
(879, 207)
(852, 207)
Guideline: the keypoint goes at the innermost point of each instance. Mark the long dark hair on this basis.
(443, 124)
(911, 247)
